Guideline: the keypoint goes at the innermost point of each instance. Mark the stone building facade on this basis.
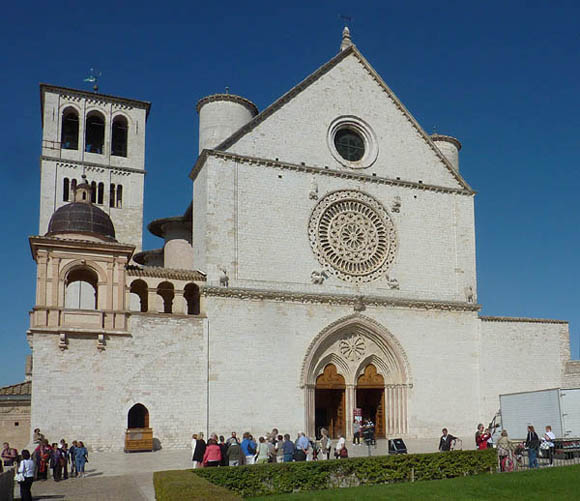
(325, 264)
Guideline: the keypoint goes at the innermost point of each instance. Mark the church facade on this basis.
(324, 267)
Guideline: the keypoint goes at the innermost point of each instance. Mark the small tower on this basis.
(103, 136)
(220, 115)
(449, 146)
(346, 41)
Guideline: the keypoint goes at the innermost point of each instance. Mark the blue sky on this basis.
(501, 76)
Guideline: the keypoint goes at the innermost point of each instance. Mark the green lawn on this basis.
(559, 483)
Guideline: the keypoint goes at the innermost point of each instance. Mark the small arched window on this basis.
(66, 190)
(95, 132)
(138, 296)
(69, 133)
(81, 289)
(165, 290)
(73, 187)
(100, 193)
(94, 192)
(138, 417)
(191, 295)
(119, 137)
(119, 201)
(112, 193)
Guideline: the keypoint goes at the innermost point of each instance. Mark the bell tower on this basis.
(103, 137)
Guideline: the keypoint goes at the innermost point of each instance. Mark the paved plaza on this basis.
(113, 476)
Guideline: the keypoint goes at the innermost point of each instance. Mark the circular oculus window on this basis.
(352, 236)
(352, 142)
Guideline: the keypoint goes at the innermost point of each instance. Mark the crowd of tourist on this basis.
(272, 447)
(63, 461)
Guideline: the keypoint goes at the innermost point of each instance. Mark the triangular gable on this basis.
(319, 73)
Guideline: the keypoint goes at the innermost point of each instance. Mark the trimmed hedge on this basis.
(267, 479)
(183, 485)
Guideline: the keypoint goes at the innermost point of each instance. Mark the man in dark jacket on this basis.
(446, 441)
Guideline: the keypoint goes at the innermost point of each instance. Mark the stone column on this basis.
(309, 410)
(350, 405)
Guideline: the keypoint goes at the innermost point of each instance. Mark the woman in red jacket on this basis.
(212, 455)
(481, 437)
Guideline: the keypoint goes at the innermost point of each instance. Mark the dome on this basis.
(81, 217)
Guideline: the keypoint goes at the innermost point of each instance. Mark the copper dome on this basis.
(81, 217)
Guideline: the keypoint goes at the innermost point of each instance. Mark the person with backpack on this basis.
(248, 448)
(234, 452)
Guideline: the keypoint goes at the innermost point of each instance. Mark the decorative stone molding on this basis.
(73, 164)
(227, 97)
(354, 175)
(396, 207)
(352, 236)
(62, 342)
(352, 347)
(523, 319)
(318, 277)
(170, 273)
(338, 299)
(393, 283)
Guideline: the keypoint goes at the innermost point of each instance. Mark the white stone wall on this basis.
(516, 356)
(84, 394)
(257, 349)
(253, 219)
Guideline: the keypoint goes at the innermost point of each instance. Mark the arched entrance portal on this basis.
(139, 436)
(356, 362)
(370, 398)
(138, 417)
(329, 402)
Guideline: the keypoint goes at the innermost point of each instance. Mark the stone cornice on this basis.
(227, 97)
(358, 176)
(94, 165)
(523, 320)
(357, 301)
(158, 272)
(146, 105)
(448, 139)
(71, 243)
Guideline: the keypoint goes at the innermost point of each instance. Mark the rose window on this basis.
(352, 235)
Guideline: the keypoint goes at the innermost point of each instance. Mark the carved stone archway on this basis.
(352, 344)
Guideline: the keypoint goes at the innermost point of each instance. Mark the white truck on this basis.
(557, 407)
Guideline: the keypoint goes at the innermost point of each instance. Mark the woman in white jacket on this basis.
(26, 468)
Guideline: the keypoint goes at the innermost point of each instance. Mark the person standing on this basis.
(71, 457)
(81, 457)
(248, 448)
(481, 437)
(212, 455)
(223, 449)
(64, 460)
(356, 432)
(233, 452)
(55, 463)
(8, 455)
(263, 451)
(533, 444)
(325, 444)
(446, 441)
(504, 452)
(288, 449)
(549, 438)
(302, 445)
(26, 468)
(278, 449)
(199, 451)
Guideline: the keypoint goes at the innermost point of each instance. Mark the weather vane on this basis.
(94, 79)
(346, 19)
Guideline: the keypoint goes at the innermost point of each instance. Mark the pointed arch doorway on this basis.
(329, 398)
(363, 362)
(370, 398)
